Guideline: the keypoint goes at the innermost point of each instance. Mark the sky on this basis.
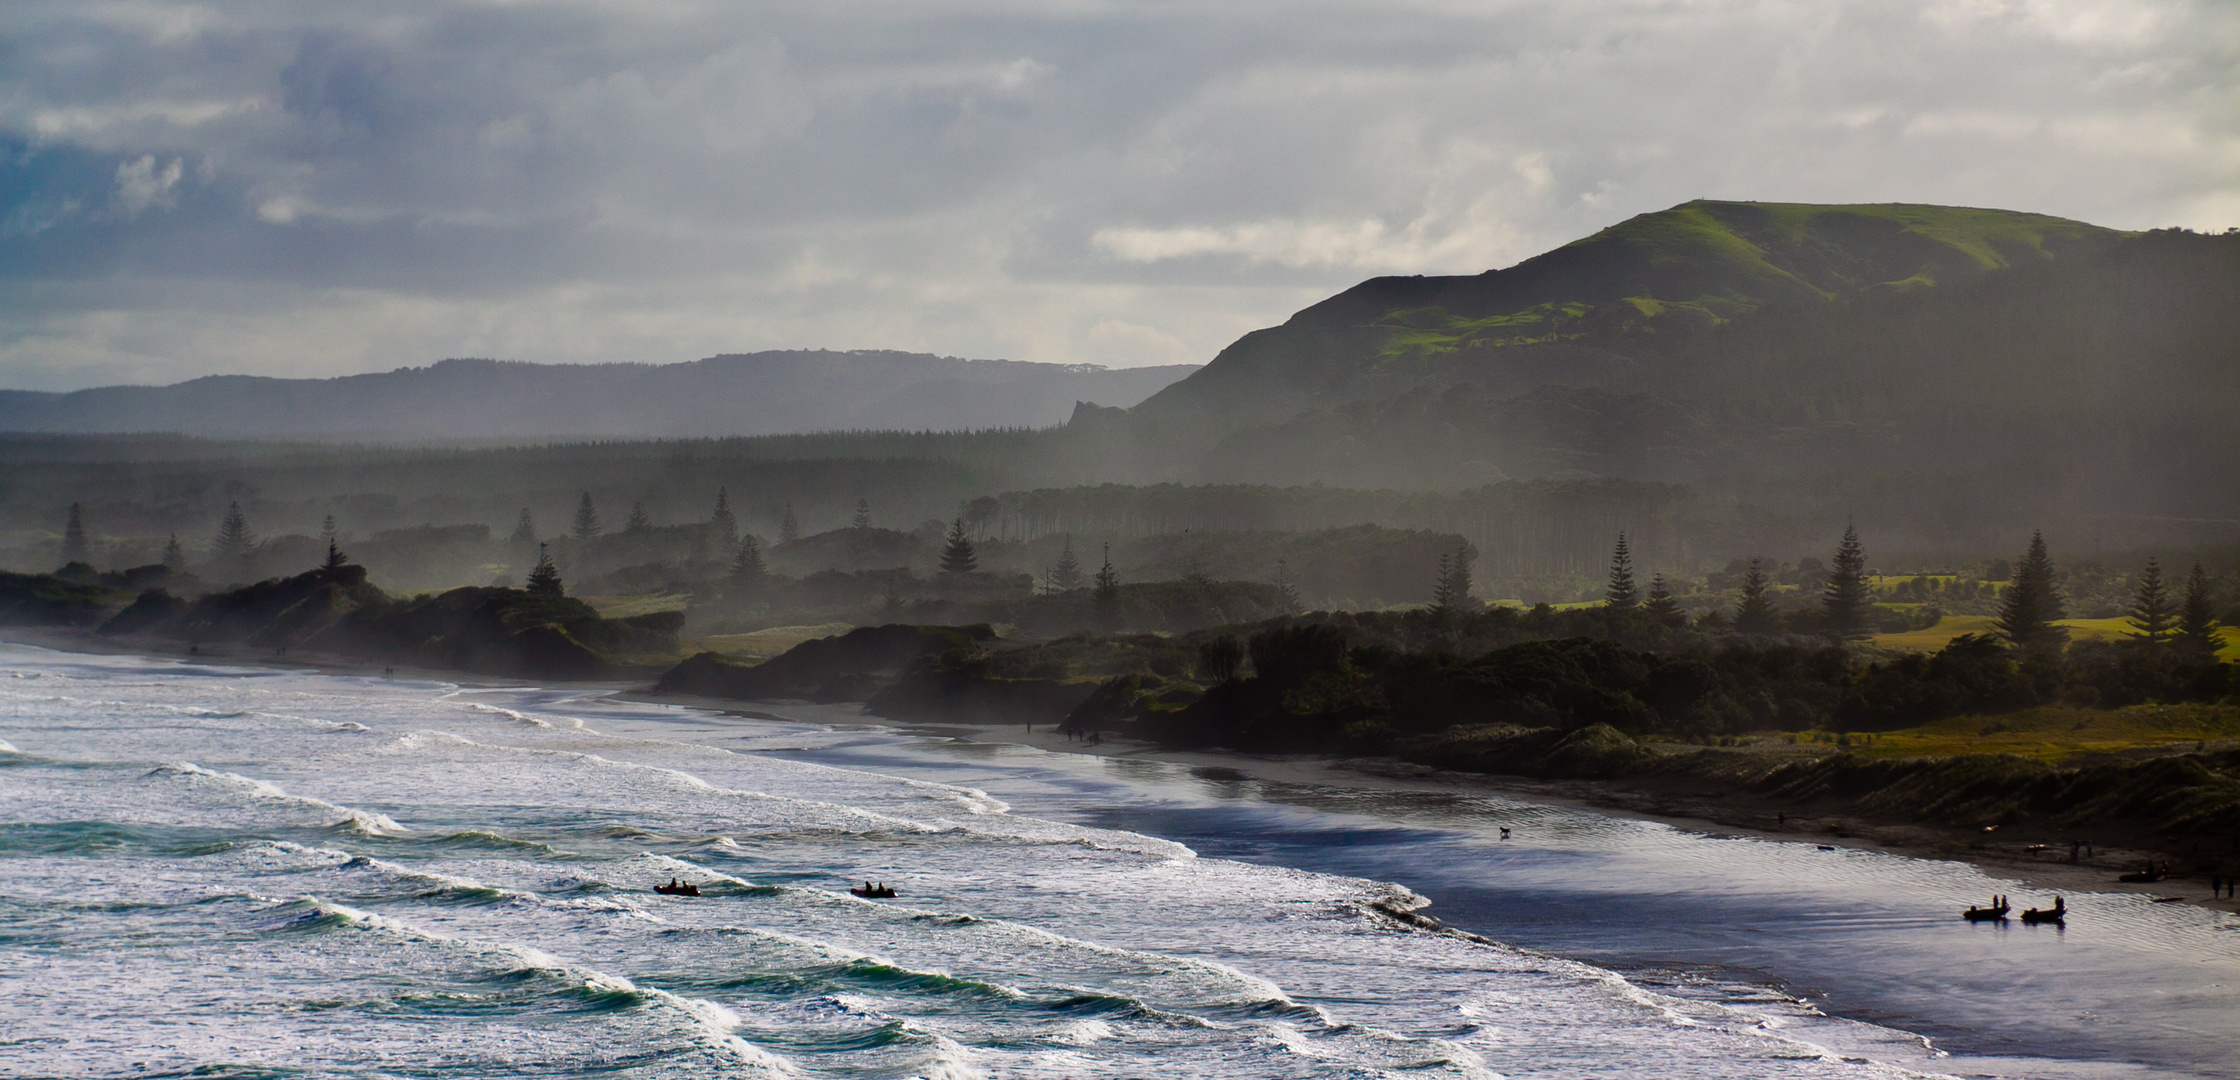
(314, 189)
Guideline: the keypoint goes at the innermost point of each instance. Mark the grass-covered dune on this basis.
(47, 600)
(844, 667)
(2171, 787)
(2133, 742)
(336, 611)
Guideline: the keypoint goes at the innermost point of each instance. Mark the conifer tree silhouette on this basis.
(746, 566)
(957, 556)
(2197, 623)
(1661, 604)
(234, 545)
(1847, 599)
(587, 527)
(724, 522)
(1755, 614)
(1066, 576)
(2153, 612)
(1623, 594)
(544, 581)
(2031, 603)
(74, 546)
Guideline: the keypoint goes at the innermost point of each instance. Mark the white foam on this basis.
(715, 1024)
(358, 820)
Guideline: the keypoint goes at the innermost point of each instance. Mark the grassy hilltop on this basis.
(1899, 362)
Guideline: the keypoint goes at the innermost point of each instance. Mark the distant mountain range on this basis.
(766, 393)
(1962, 363)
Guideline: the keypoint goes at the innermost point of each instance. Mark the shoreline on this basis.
(1707, 812)
(1703, 812)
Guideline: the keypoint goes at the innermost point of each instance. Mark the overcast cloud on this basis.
(321, 188)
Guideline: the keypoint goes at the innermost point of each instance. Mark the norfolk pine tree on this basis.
(587, 527)
(1066, 575)
(746, 567)
(1623, 594)
(1451, 595)
(2153, 614)
(1106, 590)
(1847, 600)
(234, 543)
(724, 522)
(859, 538)
(544, 581)
(638, 524)
(2031, 603)
(789, 527)
(2197, 621)
(74, 546)
(1661, 605)
(524, 532)
(957, 556)
(1755, 615)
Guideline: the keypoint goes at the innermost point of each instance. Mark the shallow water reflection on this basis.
(1862, 934)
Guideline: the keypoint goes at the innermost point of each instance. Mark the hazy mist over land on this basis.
(460, 401)
(1434, 268)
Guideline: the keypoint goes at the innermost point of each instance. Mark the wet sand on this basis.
(1703, 812)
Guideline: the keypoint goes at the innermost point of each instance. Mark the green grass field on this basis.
(2057, 733)
(1952, 626)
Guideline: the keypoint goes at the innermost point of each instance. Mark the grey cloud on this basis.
(295, 187)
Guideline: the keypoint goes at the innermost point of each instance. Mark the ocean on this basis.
(220, 871)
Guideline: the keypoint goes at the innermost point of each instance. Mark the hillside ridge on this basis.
(766, 393)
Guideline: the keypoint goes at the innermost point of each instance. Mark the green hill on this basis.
(1644, 286)
(1951, 359)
